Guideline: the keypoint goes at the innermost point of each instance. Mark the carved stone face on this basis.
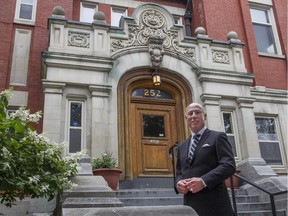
(156, 54)
(156, 57)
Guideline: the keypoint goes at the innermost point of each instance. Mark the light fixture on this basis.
(156, 78)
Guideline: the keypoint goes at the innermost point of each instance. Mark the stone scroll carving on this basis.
(152, 23)
(76, 39)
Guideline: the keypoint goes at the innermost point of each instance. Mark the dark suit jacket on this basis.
(213, 161)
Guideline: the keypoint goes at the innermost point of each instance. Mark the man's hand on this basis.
(181, 187)
(194, 184)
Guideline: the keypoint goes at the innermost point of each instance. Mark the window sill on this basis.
(278, 170)
(25, 22)
(271, 55)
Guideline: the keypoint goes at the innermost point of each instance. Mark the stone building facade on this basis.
(90, 71)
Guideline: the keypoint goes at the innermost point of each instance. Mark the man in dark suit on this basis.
(201, 172)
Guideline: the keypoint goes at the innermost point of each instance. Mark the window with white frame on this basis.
(177, 20)
(10, 110)
(268, 140)
(87, 12)
(116, 15)
(25, 11)
(265, 30)
(230, 131)
(75, 126)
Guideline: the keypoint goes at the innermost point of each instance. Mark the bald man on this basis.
(204, 161)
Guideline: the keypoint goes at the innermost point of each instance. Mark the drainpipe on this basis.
(188, 18)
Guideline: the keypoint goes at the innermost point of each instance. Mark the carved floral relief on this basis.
(152, 23)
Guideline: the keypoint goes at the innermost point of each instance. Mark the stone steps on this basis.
(91, 193)
(247, 205)
(92, 196)
(91, 202)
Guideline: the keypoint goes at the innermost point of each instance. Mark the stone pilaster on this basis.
(212, 107)
(253, 165)
(100, 119)
(53, 106)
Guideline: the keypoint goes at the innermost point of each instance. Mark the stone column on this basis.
(52, 110)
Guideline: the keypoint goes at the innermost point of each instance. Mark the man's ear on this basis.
(205, 116)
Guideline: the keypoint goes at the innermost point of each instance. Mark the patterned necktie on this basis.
(193, 147)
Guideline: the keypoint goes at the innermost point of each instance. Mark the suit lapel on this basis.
(185, 149)
(204, 137)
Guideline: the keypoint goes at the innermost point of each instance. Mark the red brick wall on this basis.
(6, 35)
(179, 4)
(106, 9)
(198, 15)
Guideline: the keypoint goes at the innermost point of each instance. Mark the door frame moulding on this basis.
(142, 77)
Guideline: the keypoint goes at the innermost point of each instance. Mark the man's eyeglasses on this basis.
(195, 112)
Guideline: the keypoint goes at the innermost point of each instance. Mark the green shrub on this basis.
(30, 164)
(105, 161)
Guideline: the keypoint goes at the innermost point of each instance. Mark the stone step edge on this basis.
(260, 211)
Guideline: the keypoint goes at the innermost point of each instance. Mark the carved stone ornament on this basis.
(220, 56)
(156, 52)
(76, 39)
(152, 23)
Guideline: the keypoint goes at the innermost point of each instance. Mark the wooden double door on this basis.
(153, 131)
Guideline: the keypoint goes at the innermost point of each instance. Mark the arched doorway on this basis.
(150, 120)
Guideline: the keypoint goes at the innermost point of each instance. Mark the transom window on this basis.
(25, 11)
(151, 93)
(268, 140)
(265, 30)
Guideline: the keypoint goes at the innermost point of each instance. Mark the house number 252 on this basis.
(152, 93)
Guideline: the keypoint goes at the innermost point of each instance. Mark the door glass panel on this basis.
(153, 126)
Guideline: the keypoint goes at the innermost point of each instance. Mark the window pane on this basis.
(116, 16)
(153, 126)
(228, 123)
(271, 153)
(26, 12)
(264, 38)
(75, 115)
(269, 147)
(74, 140)
(87, 13)
(259, 16)
(266, 129)
(27, 2)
